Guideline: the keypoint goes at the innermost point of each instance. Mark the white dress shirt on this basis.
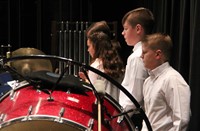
(110, 89)
(166, 99)
(135, 75)
(97, 64)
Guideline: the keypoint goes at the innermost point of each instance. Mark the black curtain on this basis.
(181, 20)
(28, 23)
(194, 72)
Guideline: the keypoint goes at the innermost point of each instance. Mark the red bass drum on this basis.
(29, 109)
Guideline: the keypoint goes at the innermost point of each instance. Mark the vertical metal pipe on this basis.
(82, 26)
(77, 26)
(65, 44)
(85, 58)
(60, 49)
(75, 50)
(67, 25)
(62, 25)
(70, 50)
(66, 40)
(80, 53)
(86, 25)
(59, 46)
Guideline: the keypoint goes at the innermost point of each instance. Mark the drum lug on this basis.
(39, 91)
(50, 98)
(14, 85)
(68, 91)
(12, 94)
(28, 114)
(61, 113)
(95, 102)
(2, 117)
(90, 124)
(120, 118)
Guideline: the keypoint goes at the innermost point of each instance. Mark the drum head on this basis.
(42, 125)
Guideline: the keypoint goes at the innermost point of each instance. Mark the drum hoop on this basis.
(43, 118)
(17, 88)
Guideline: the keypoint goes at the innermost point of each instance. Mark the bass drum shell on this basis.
(30, 109)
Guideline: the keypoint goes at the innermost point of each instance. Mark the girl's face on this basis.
(90, 48)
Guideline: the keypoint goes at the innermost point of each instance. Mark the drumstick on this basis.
(99, 115)
(100, 88)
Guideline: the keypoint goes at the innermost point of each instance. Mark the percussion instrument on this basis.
(28, 65)
(27, 108)
(36, 107)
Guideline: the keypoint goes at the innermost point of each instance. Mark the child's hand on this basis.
(82, 75)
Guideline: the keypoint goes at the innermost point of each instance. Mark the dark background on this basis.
(28, 23)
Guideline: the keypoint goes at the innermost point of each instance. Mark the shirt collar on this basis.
(158, 70)
(137, 46)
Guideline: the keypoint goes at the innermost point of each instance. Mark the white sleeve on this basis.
(135, 75)
(178, 98)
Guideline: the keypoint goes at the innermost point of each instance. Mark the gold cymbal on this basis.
(29, 65)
